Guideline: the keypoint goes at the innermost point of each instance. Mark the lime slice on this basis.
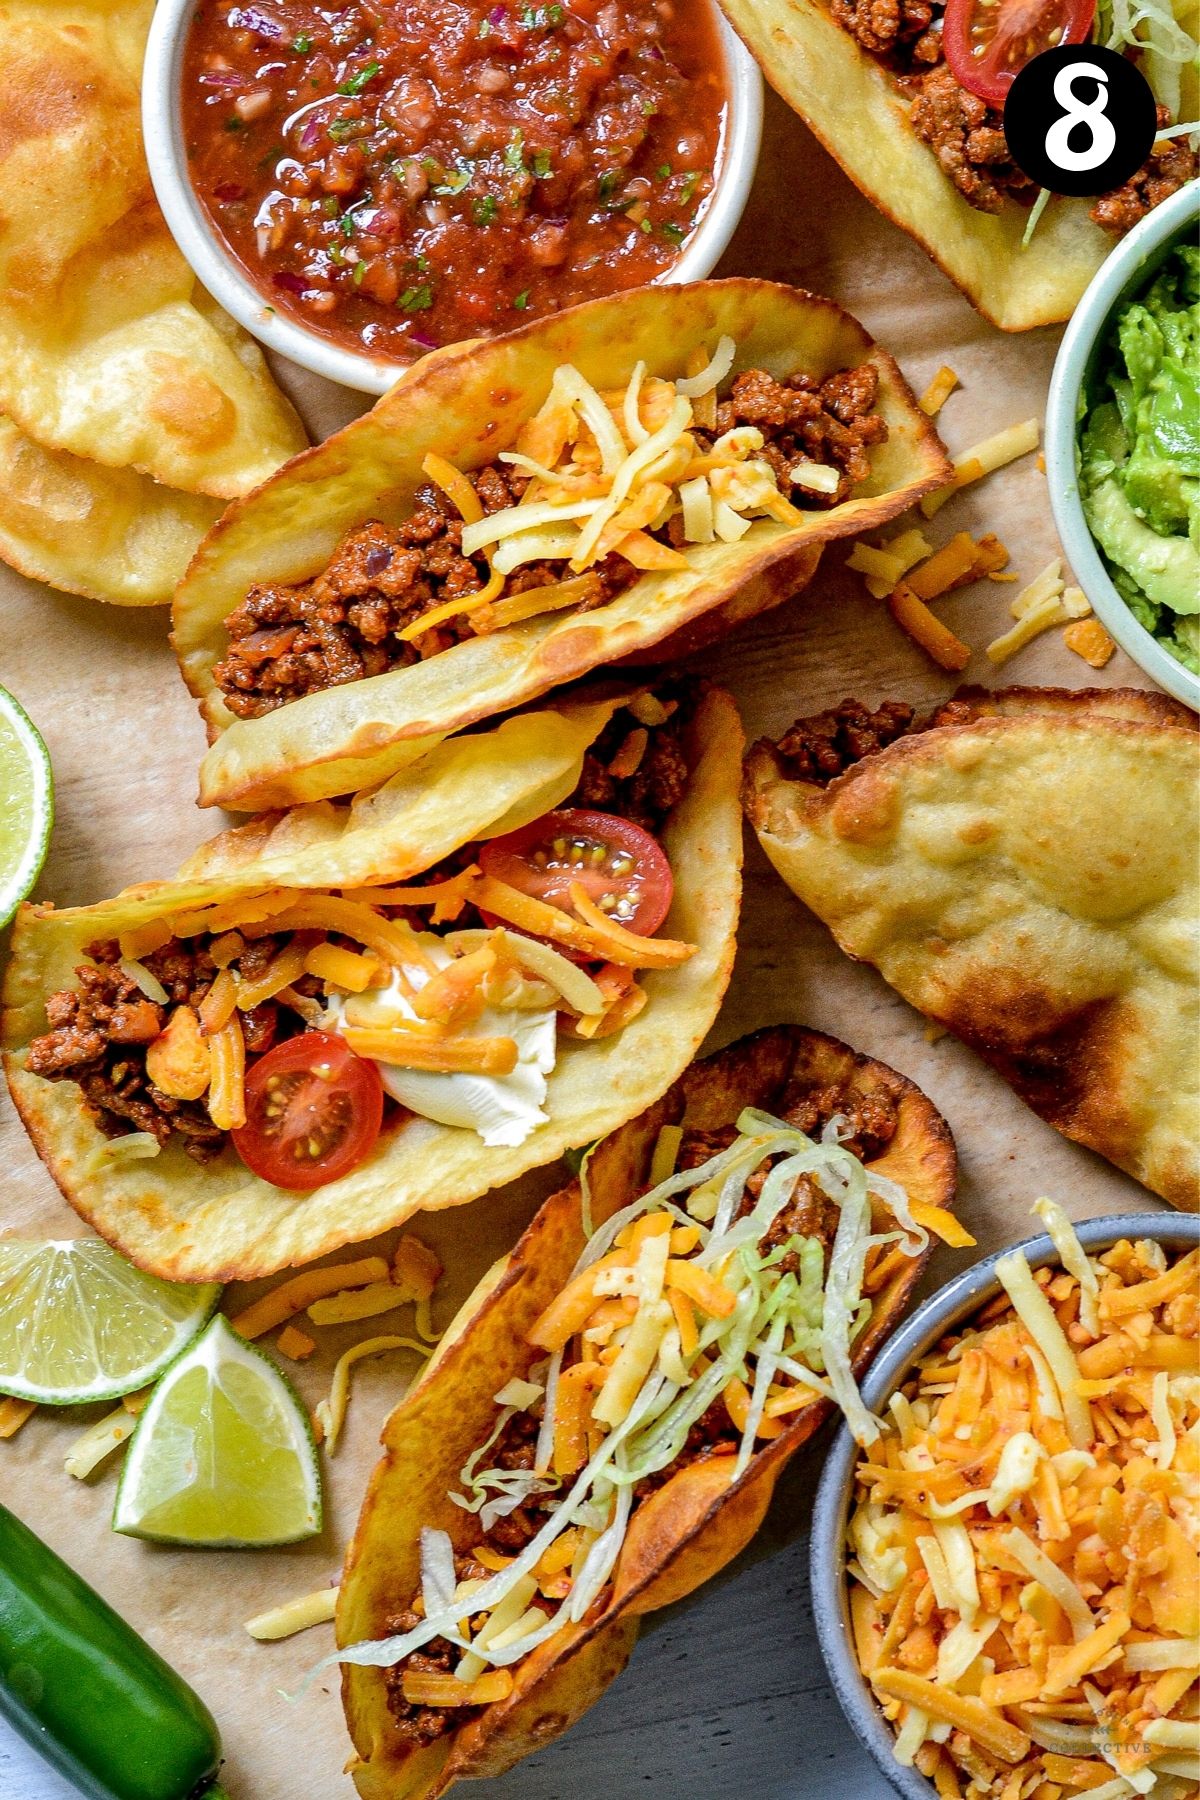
(223, 1455)
(26, 805)
(78, 1322)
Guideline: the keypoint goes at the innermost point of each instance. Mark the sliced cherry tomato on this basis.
(313, 1112)
(623, 868)
(988, 42)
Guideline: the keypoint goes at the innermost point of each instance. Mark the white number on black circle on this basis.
(1101, 137)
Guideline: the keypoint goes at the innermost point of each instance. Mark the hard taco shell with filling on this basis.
(465, 404)
(850, 101)
(678, 1537)
(1024, 872)
(220, 1223)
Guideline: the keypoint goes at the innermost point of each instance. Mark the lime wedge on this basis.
(223, 1455)
(26, 805)
(78, 1322)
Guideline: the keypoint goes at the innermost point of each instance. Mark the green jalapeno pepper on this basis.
(88, 1692)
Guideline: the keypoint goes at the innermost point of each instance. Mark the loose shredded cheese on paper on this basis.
(331, 1413)
(99, 1441)
(295, 1615)
(993, 453)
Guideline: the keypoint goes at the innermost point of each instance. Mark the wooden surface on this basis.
(726, 1696)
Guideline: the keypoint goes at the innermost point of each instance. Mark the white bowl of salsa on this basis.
(359, 189)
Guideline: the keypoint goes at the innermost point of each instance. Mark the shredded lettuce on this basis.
(797, 1323)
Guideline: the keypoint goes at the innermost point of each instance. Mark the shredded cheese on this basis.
(331, 1413)
(296, 1615)
(1060, 1599)
(993, 453)
(292, 1296)
(1036, 1315)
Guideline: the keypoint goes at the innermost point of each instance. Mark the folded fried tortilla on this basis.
(130, 405)
(324, 691)
(1024, 871)
(852, 101)
(690, 1505)
(615, 1050)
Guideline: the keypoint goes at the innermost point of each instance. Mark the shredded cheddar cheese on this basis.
(1024, 1561)
(297, 1615)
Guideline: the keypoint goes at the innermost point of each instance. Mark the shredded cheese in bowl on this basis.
(1024, 1548)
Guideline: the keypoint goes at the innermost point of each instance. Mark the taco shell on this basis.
(219, 1222)
(678, 1537)
(853, 105)
(1025, 872)
(465, 404)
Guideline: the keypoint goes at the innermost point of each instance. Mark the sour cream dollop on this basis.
(502, 1109)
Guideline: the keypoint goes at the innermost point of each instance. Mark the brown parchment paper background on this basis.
(125, 741)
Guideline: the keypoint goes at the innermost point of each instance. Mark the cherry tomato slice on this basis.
(988, 42)
(313, 1112)
(623, 868)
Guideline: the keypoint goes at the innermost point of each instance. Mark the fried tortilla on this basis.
(212, 1219)
(851, 101)
(109, 350)
(1024, 871)
(466, 406)
(695, 1510)
(109, 534)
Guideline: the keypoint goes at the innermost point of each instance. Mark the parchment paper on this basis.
(125, 740)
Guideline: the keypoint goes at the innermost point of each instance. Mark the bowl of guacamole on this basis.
(1123, 445)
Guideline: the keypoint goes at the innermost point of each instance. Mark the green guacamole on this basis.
(1139, 455)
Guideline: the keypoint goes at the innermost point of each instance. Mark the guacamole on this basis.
(1139, 454)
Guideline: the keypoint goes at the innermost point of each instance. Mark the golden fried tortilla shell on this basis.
(109, 534)
(108, 348)
(1029, 881)
(220, 1223)
(691, 1527)
(851, 103)
(467, 404)
(474, 786)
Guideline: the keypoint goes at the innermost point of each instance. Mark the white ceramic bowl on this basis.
(1125, 272)
(222, 275)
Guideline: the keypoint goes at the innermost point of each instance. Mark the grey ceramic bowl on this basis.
(1125, 271)
(944, 1312)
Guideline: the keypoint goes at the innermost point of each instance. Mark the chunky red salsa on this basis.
(401, 174)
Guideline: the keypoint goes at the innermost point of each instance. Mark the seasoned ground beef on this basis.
(1171, 165)
(657, 784)
(828, 421)
(886, 26)
(967, 137)
(100, 1031)
(824, 746)
(288, 641)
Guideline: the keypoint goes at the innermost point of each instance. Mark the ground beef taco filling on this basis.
(394, 595)
(446, 997)
(695, 1325)
(966, 132)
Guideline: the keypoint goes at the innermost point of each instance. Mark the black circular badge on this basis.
(1080, 120)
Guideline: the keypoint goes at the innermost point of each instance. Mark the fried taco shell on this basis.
(466, 405)
(696, 1519)
(1024, 871)
(109, 348)
(854, 106)
(220, 1222)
